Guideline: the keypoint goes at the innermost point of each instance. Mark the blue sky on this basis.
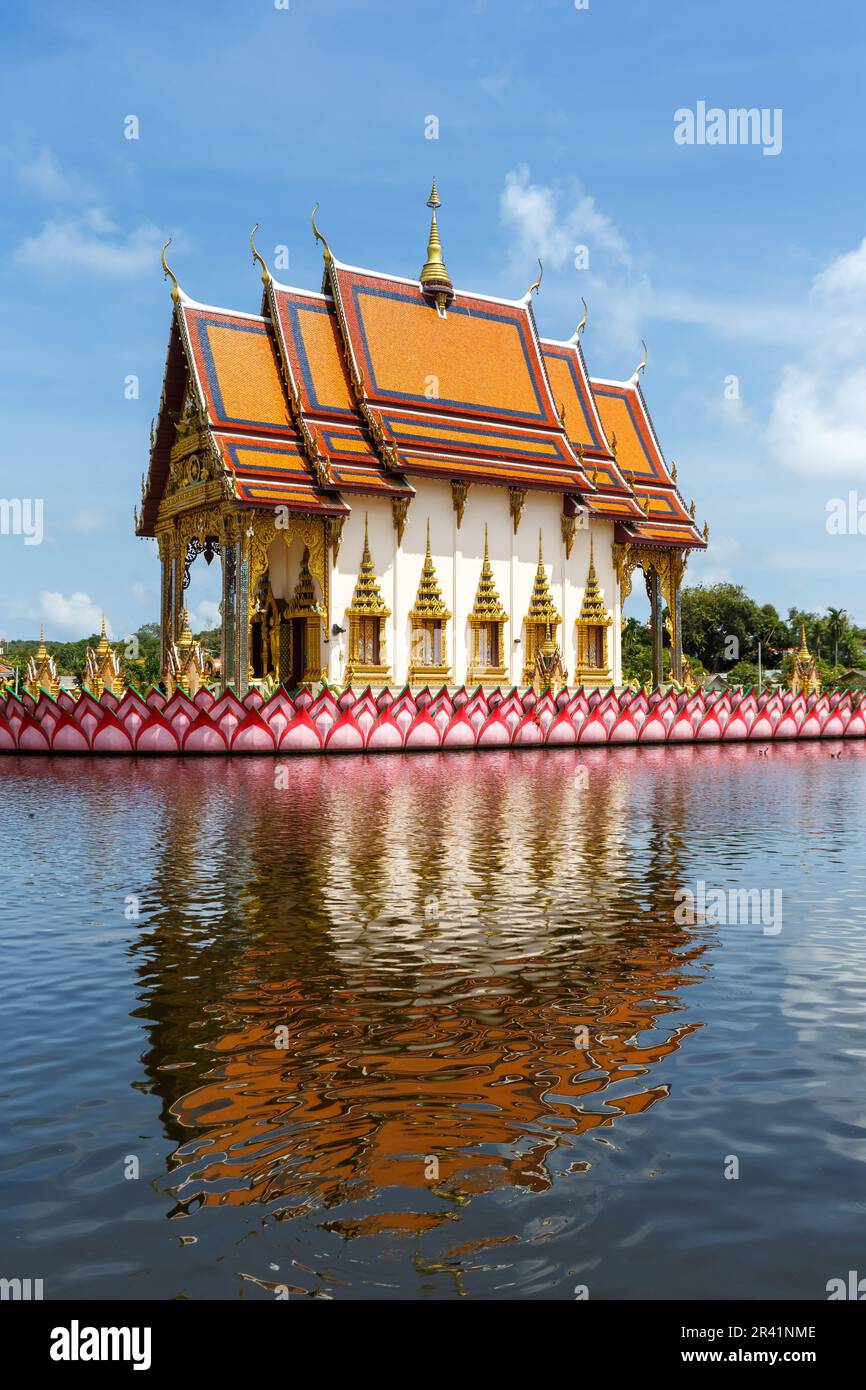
(555, 129)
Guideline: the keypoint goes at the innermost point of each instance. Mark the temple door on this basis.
(299, 652)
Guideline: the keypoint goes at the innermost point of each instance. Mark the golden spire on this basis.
(304, 597)
(367, 598)
(170, 275)
(257, 259)
(186, 639)
(434, 277)
(804, 650)
(41, 673)
(592, 609)
(541, 605)
(429, 602)
(102, 669)
(487, 606)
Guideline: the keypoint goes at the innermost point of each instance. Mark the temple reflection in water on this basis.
(473, 962)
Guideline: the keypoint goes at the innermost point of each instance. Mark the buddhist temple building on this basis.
(405, 482)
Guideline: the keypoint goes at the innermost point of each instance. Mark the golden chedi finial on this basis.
(367, 598)
(434, 277)
(592, 609)
(258, 259)
(170, 275)
(41, 672)
(541, 605)
(186, 639)
(429, 602)
(487, 606)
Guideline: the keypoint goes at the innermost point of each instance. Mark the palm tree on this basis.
(836, 620)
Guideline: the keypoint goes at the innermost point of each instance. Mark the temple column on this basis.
(653, 587)
(229, 557)
(676, 620)
(166, 600)
(242, 612)
(177, 577)
(236, 605)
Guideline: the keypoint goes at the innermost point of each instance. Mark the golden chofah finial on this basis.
(326, 251)
(692, 510)
(641, 366)
(170, 275)
(582, 325)
(706, 530)
(536, 284)
(257, 259)
(673, 470)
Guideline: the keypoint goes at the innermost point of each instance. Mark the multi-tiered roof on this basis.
(380, 380)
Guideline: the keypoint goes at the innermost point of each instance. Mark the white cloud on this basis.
(73, 614)
(546, 228)
(817, 422)
(44, 176)
(205, 615)
(91, 242)
(552, 220)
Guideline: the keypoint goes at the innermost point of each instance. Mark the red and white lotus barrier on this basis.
(386, 722)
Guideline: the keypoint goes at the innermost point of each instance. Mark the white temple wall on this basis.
(344, 576)
(457, 556)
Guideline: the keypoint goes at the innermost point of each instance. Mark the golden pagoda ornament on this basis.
(593, 666)
(304, 615)
(435, 280)
(188, 664)
(487, 622)
(542, 615)
(41, 671)
(429, 653)
(102, 670)
(804, 676)
(367, 616)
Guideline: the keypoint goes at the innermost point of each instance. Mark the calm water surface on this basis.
(468, 962)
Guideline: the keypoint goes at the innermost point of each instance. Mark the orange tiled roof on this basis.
(269, 472)
(238, 370)
(308, 332)
(369, 382)
(624, 414)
